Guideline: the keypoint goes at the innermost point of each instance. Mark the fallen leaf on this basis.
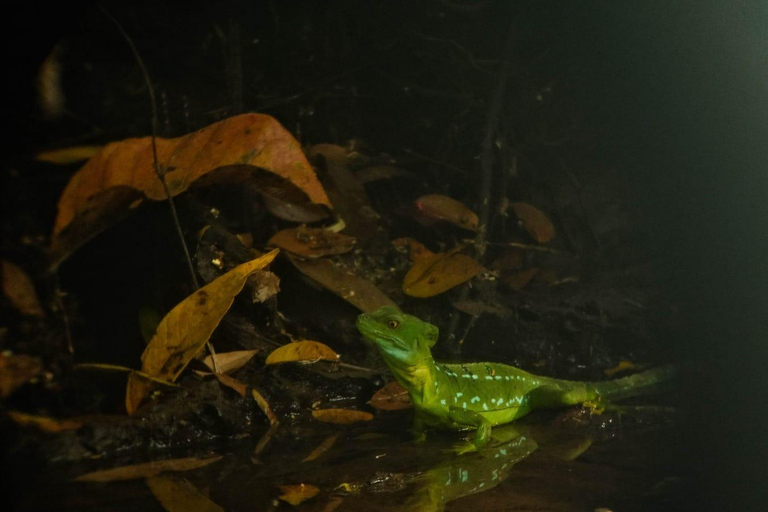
(359, 292)
(521, 279)
(265, 285)
(293, 211)
(439, 273)
(146, 469)
(239, 387)
(245, 141)
(381, 172)
(477, 309)
(321, 448)
(17, 370)
(230, 361)
(44, 423)
(391, 397)
(187, 327)
(448, 209)
(341, 416)
(621, 367)
(176, 494)
(66, 156)
(535, 222)
(512, 259)
(296, 494)
(19, 290)
(417, 251)
(302, 351)
(265, 408)
(311, 242)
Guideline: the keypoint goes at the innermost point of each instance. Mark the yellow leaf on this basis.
(391, 397)
(445, 208)
(146, 469)
(19, 290)
(295, 494)
(535, 222)
(341, 416)
(439, 273)
(187, 327)
(302, 351)
(176, 494)
(621, 367)
(311, 242)
(321, 449)
(65, 156)
(44, 423)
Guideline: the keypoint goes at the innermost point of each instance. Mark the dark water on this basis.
(565, 461)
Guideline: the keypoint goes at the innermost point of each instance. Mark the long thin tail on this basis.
(638, 384)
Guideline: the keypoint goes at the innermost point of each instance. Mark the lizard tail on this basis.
(638, 384)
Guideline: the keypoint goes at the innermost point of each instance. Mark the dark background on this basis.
(673, 94)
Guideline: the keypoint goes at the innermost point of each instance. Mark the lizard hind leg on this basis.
(475, 420)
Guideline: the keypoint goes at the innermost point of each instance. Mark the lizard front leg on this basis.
(475, 420)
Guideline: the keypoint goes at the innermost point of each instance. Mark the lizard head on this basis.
(402, 338)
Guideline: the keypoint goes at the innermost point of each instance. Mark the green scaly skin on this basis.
(478, 395)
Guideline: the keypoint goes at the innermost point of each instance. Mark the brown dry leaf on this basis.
(535, 222)
(321, 448)
(302, 351)
(19, 290)
(477, 309)
(17, 370)
(341, 416)
(264, 406)
(230, 361)
(187, 327)
(296, 494)
(311, 242)
(263, 284)
(521, 279)
(621, 367)
(417, 251)
(66, 156)
(294, 211)
(146, 469)
(445, 208)
(381, 172)
(245, 141)
(44, 423)
(512, 259)
(232, 383)
(391, 397)
(359, 292)
(439, 273)
(176, 494)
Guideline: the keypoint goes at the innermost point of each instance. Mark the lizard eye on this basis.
(392, 324)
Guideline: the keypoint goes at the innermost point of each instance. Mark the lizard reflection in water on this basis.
(478, 395)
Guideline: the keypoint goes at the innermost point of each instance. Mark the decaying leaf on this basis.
(19, 290)
(311, 242)
(621, 367)
(359, 292)
(50, 425)
(435, 206)
(146, 469)
(302, 351)
(535, 222)
(230, 361)
(521, 279)
(416, 250)
(187, 327)
(17, 370)
(341, 416)
(245, 141)
(176, 494)
(439, 273)
(66, 156)
(321, 448)
(296, 494)
(265, 408)
(265, 285)
(391, 397)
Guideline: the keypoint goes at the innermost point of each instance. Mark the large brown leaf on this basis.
(535, 222)
(438, 273)
(435, 206)
(187, 327)
(311, 242)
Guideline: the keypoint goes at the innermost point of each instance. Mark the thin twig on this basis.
(156, 163)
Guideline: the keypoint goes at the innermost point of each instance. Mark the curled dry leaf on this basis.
(187, 327)
(146, 469)
(50, 425)
(417, 251)
(230, 361)
(311, 242)
(249, 140)
(448, 209)
(391, 397)
(439, 273)
(521, 279)
(19, 290)
(341, 416)
(535, 222)
(296, 494)
(265, 408)
(17, 370)
(176, 494)
(321, 448)
(302, 351)
(232, 383)
(359, 292)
